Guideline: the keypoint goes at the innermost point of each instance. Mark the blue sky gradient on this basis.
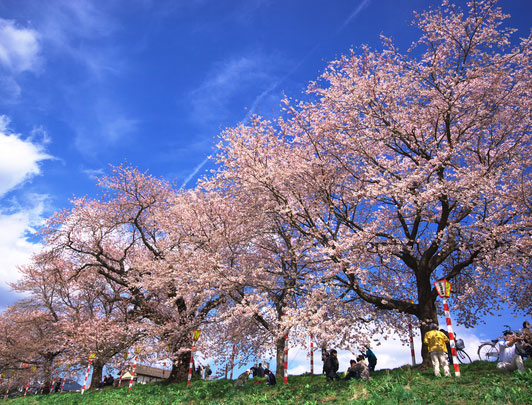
(88, 84)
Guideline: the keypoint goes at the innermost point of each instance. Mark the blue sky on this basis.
(86, 84)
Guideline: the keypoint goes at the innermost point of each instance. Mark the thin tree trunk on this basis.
(279, 344)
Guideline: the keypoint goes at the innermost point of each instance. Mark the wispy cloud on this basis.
(195, 172)
(229, 79)
(108, 127)
(210, 100)
(19, 47)
(20, 51)
(361, 6)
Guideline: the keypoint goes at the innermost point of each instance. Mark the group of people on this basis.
(512, 347)
(108, 381)
(358, 369)
(257, 371)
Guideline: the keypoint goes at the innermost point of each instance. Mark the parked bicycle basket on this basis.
(460, 344)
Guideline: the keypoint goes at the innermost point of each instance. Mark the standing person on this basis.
(253, 371)
(509, 360)
(526, 343)
(449, 354)
(324, 354)
(372, 359)
(208, 372)
(436, 343)
(260, 371)
(271, 378)
(331, 366)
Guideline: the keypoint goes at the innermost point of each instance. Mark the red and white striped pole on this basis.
(122, 367)
(195, 338)
(28, 384)
(7, 389)
(232, 362)
(87, 373)
(443, 287)
(52, 385)
(191, 365)
(286, 358)
(133, 368)
(311, 353)
(451, 337)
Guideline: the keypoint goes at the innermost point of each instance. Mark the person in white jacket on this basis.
(509, 359)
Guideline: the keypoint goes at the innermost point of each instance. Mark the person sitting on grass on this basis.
(351, 372)
(436, 343)
(271, 378)
(361, 368)
(331, 365)
(243, 378)
(509, 360)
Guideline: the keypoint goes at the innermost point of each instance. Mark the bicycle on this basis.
(461, 354)
(488, 351)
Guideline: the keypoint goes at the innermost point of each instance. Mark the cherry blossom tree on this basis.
(405, 168)
(123, 237)
(31, 343)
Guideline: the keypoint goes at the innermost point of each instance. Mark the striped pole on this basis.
(286, 358)
(87, 373)
(191, 365)
(133, 370)
(412, 352)
(26, 389)
(52, 385)
(195, 337)
(232, 362)
(7, 389)
(63, 383)
(311, 353)
(451, 338)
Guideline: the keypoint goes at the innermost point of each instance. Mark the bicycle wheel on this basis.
(488, 352)
(463, 357)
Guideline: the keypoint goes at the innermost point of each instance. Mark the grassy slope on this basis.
(479, 383)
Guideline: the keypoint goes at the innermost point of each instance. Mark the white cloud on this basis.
(19, 159)
(16, 246)
(19, 162)
(19, 47)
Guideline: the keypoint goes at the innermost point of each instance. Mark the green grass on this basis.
(479, 383)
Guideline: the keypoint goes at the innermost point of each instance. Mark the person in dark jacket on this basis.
(372, 359)
(260, 371)
(271, 378)
(331, 366)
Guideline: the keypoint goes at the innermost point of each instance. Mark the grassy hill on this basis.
(479, 383)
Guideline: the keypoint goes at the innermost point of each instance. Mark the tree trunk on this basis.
(427, 313)
(97, 371)
(279, 344)
(179, 368)
(47, 366)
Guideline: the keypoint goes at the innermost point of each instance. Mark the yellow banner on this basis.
(196, 335)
